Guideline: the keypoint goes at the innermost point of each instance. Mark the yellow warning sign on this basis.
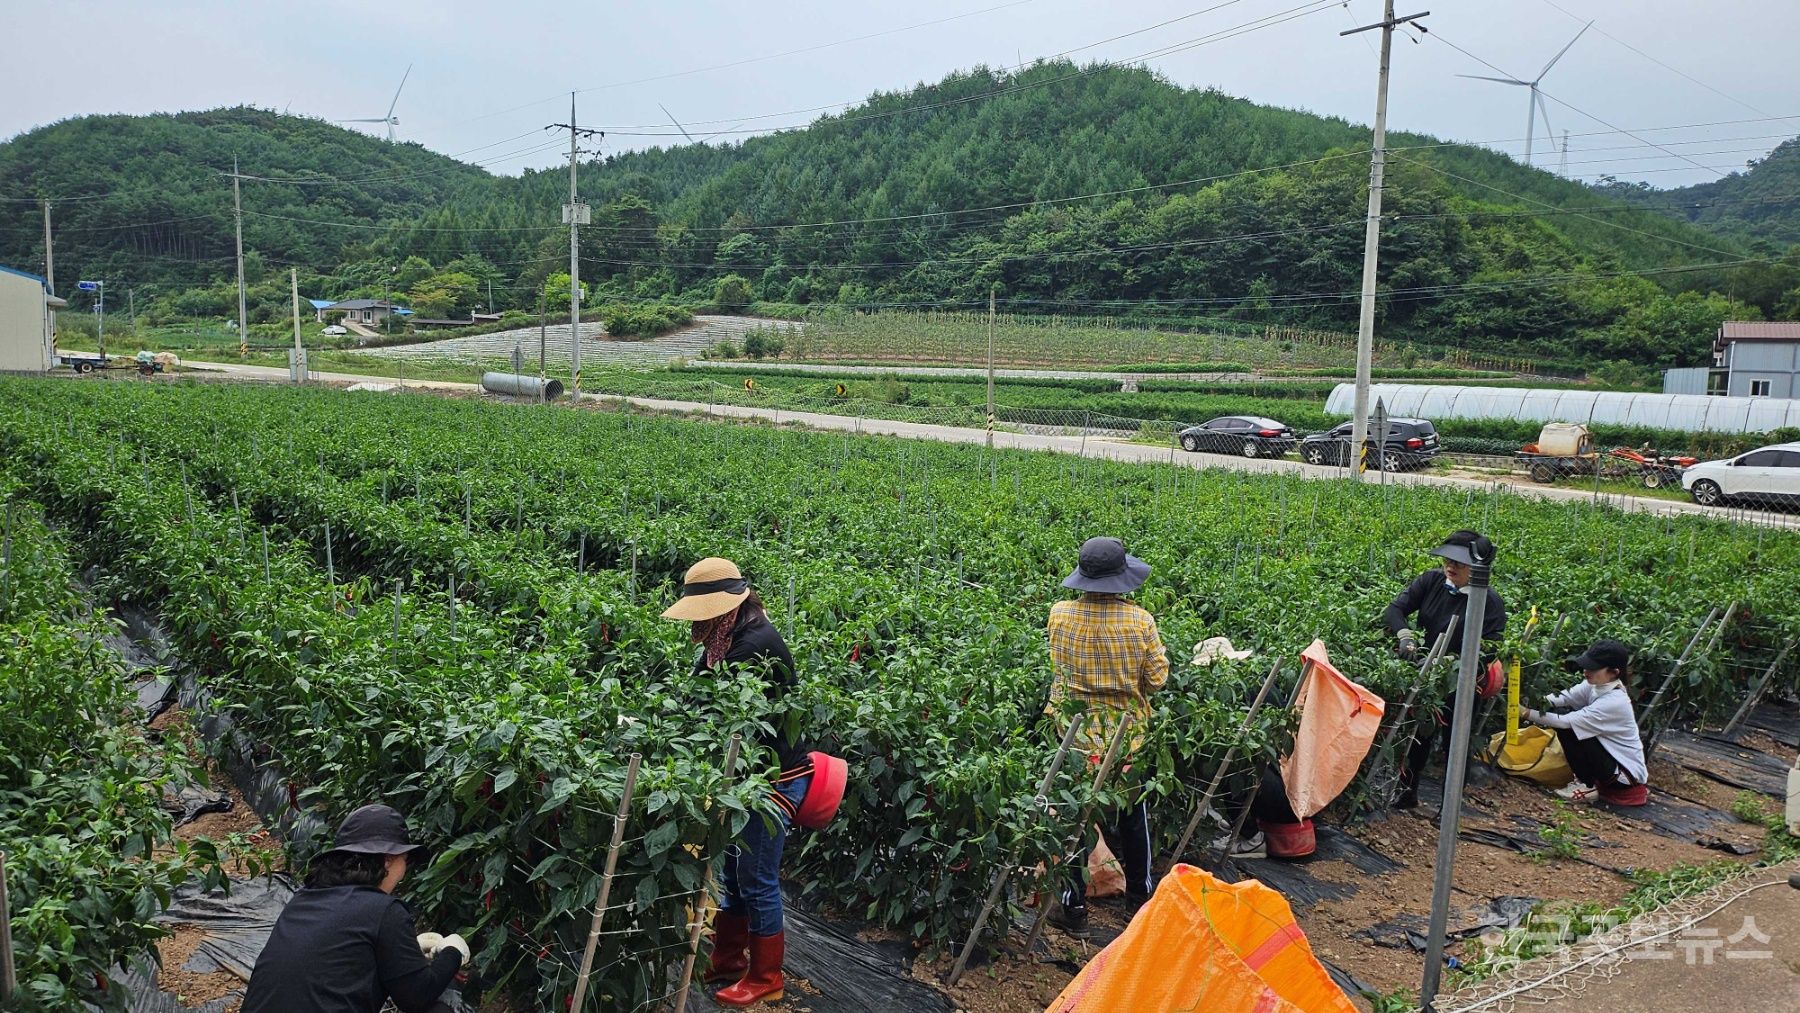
(842, 391)
(749, 383)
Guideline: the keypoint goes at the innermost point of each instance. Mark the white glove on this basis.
(430, 943)
(455, 942)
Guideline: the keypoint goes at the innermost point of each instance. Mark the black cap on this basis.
(1604, 654)
(1105, 566)
(374, 830)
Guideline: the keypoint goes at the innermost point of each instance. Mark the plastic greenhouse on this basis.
(1686, 412)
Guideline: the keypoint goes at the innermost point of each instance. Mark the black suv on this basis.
(1411, 443)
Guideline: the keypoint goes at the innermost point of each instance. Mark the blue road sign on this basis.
(87, 286)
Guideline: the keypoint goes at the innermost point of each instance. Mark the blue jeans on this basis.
(753, 864)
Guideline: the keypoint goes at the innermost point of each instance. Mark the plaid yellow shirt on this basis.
(1105, 654)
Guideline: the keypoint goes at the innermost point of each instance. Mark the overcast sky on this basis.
(486, 76)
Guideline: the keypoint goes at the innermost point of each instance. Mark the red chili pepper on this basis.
(855, 654)
(487, 902)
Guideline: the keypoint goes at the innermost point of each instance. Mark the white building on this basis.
(27, 323)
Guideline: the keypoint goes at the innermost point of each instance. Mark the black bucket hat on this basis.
(1604, 654)
(374, 830)
(1106, 567)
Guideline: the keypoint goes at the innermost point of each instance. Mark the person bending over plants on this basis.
(735, 635)
(1436, 597)
(1599, 734)
(345, 943)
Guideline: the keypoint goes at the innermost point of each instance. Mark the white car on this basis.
(334, 329)
(1766, 476)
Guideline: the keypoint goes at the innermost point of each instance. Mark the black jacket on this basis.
(1436, 604)
(346, 949)
(757, 648)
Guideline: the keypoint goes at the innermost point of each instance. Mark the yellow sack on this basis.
(1200, 944)
(1537, 756)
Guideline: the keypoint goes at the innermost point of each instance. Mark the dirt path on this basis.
(1744, 955)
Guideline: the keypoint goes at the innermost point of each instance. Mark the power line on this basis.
(1439, 36)
(1660, 63)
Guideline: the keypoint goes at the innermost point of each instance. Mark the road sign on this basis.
(87, 286)
(842, 391)
(749, 384)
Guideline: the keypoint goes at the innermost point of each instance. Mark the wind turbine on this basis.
(690, 137)
(390, 119)
(1537, 108)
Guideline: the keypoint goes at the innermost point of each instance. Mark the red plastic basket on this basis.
(1632, 795)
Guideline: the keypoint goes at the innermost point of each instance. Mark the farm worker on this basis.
(1599, 734)
(735, 635)
(1436, 597)
(345, 943)
(1106, 656)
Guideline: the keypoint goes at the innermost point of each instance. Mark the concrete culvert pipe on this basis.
(519, 385)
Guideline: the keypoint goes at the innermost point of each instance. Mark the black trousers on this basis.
(1590, 761)
(1431, 726)
(1127, 833)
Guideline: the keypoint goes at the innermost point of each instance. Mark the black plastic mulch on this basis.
(1294, 882)
(1726, 762)
(1408, 931)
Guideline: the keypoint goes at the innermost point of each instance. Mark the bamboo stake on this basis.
(1053, 899)
(687, 966)
(1005, 870)
(1749, 703)
(1212, 788)
(606, 881)
(9, 981)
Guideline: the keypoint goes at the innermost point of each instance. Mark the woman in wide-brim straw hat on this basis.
(735, 635)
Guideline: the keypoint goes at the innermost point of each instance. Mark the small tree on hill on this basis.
(732, 294)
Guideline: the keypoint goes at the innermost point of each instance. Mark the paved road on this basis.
(1110, 449)
(597, 351)
(1662, 977)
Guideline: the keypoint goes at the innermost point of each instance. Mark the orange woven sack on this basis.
(1200, 944)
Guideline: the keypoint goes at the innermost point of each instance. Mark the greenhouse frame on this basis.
(1686, 412)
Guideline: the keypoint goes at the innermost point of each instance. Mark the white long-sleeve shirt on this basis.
(1601, 712)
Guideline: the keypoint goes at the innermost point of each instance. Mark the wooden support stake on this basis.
(1053, 899)
(606, 881)
(694, 931)
(1006, 867)
(1212, 787)
(1749, 703)
(9, 979)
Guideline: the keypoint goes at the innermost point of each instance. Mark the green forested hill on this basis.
(1760, 203)
(1206, 205)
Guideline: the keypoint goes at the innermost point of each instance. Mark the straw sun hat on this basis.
(711, 588)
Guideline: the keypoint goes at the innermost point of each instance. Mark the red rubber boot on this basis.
(763, 981)
(731, 947)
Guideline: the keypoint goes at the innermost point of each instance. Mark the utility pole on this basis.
(49, 254)
(990, 370)
(237, 205)
(1365, 328)
(575, 215)
(49, 271)
(299, 353)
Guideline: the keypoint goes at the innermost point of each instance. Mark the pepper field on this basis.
(452, 606)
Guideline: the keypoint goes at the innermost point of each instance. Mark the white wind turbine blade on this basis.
(1564, 49)
(1501, 80)
(672, 119)
(403, 77)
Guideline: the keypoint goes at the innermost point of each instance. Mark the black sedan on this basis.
(1249, 435)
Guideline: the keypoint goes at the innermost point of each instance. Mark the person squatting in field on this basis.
(1599, 733)
(344, 943)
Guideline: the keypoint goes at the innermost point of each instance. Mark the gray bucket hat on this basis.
(1106, 567)
(374, 830)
